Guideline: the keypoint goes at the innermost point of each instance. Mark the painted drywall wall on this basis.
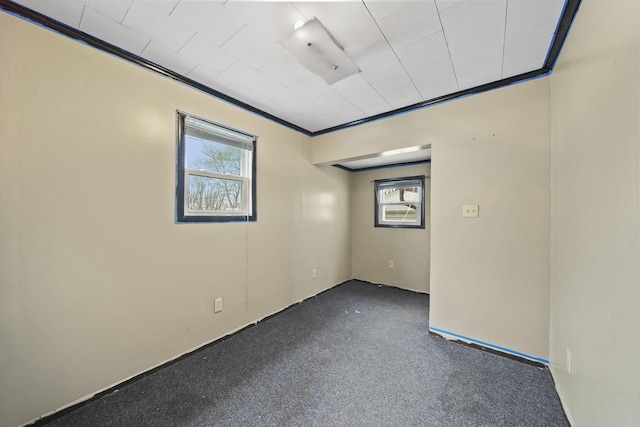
(489, 276)
(373, 247)
(595, 277)
(97, 282)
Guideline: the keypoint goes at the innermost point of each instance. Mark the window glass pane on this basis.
(400, 213)
(214, 194)
(213, 156)
(399, 195)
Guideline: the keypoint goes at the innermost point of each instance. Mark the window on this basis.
(399, 202)
(216, 172)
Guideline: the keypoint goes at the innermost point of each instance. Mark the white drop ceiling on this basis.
(408, 52)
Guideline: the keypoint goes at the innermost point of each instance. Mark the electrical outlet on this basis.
(217, 305)
(568, 362)
(470, 211)
(391, 263)
(314, 273)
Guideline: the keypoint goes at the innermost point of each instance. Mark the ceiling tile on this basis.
(446, 4)
(285, 69)
(207, 53)
(471, 17)
(470, 49)
(258, 101)
(305, 121)
(272, 20)
(209, 18)
(382, 8)
(328, 12)
(534, 38)
(356, 31)
(298, 103)
(410, 23)
(485, 70)
(311, 87)
(248, 46)
(406, 50)
(208, 77)
(166, 6)
(110, 31)
(384, 80)
(375, 108)
(436, 80)
(273, 90)
(375, 56)
(333, 101)
(247, 95)
(66, 11)
(402, 98)
(519, 64)
(348, 114)
(114, 9)
(432, 90)
(158, 53)
(419, 54)
(243, 74)
(359, 92)
(145, 18)
(401, 89)
(523, 15)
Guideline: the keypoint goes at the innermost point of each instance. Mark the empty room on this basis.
(352, 213)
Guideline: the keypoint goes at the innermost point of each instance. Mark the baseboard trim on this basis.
(77, 404)
(495, 349)
(415, 291)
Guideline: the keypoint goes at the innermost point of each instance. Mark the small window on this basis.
(216, 172)
(399, 202)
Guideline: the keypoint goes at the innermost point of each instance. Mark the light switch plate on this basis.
(470, 211)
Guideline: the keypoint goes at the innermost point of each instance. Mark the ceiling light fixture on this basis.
(315, 49)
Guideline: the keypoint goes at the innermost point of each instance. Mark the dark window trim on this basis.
(377, 182)
(181, 217)
(564, 24)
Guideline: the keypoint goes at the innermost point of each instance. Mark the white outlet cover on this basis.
(470, 211)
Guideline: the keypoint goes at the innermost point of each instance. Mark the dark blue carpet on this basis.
(356, 355)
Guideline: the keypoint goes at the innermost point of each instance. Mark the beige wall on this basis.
(595, 281)
(373, 247)
(97, 282)
(489, 276)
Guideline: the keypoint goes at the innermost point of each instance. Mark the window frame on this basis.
(378, 183)
(183, 214)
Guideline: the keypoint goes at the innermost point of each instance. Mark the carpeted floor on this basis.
(356, 355)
